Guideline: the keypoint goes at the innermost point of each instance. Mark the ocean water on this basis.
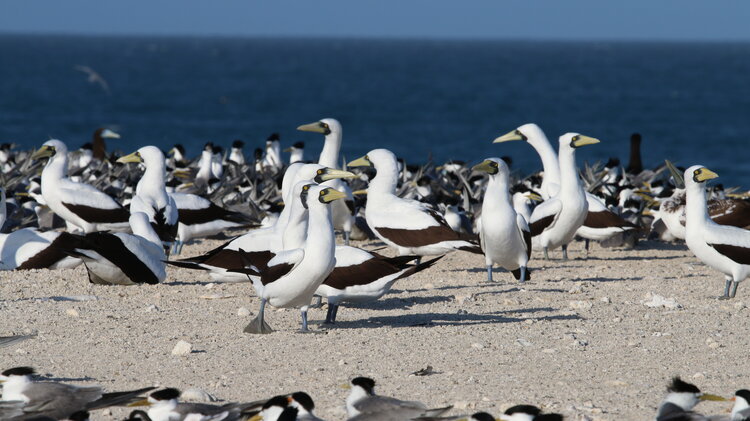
(423, 99)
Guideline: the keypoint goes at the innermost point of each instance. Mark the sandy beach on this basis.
(585, 337)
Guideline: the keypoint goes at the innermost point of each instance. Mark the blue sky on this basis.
(503, 19)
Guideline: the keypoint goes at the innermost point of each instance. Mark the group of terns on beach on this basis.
(291, 255)
(26, 398)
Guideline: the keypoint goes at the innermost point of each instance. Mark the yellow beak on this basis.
(485, 166)
(142, 402)
(710, 397)
(312, 127)
(133, 157)
(43, 152)
(256, 417)
(705, 174)
(346, 386)
(507, 137)
(581, 140)
(329, 195)
(360, 162)
(535, 197)
(362, 192)
(331, 173)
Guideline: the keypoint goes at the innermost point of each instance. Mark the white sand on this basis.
(577, 339)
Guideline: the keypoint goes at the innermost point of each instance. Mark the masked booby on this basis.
(600, 223)
(504, 234)
(557, 219)
(294, 275)
(343, 210)
(724, 248)
(57, 400)
(123, 259)
(151, 196)
(409, 226)
(77, 203)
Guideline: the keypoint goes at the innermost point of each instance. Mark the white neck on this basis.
(329, 156)
(163, 410)
(569, 182)
(549, 162)
(295, 232)
(385, 180)
(686, 401)
(740, 404)
(355, 395)
(297, 155)
(696, 211)
(56, 169)
(13, 388)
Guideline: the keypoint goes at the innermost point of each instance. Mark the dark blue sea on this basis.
(447, 99)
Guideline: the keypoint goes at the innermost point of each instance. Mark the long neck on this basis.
(549, 159)
(385, 180)
(497, 196)
(56, 168)
(153, 181)
(319, 229)
(569, 182)
(295, 232)
(696, 211)
(329, 156)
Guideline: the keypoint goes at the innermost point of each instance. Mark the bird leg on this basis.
(565, 252)
(523, 274)
(546, 253)
(727, 285)
(489, 273)
(259, 325)
(419, 260)
(735, 284)
(586, 243)
(331, 315)
(318, 302)
(347, 234)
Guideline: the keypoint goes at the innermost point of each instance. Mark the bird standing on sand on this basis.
(724, 248)
(504, 234)
(293, 275)
(557, 219)
(151, 196)
(600, 223)
(79, 204)
(409, 226)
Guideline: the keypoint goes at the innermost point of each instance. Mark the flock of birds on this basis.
(126, 223)
(27, 399)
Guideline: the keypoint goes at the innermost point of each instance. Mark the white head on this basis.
(53, 149)
(529, 132)
(686, 395)
(697, 175)
(325, 126)
(495, 167)
(572, 141)
(150, 156)
(14, 380)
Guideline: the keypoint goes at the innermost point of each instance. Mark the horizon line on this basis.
(642, 40)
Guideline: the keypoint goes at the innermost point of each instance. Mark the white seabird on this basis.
(79, 204)
(504, 235)
(557, 219)
(123, 259)
(409, 226)
(600, 223)
(722, 247)
(164, 405)
(294, 275)
(151, 196)
(342, 211)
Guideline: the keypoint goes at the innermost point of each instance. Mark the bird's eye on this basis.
(518, 132)
(696, 172)
(325, 125)
(575, 138)
(320, 172)
(306, 188)
(494, 164)
(323, 192)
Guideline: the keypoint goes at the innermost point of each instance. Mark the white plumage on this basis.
(724, 248)
(505, 235)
